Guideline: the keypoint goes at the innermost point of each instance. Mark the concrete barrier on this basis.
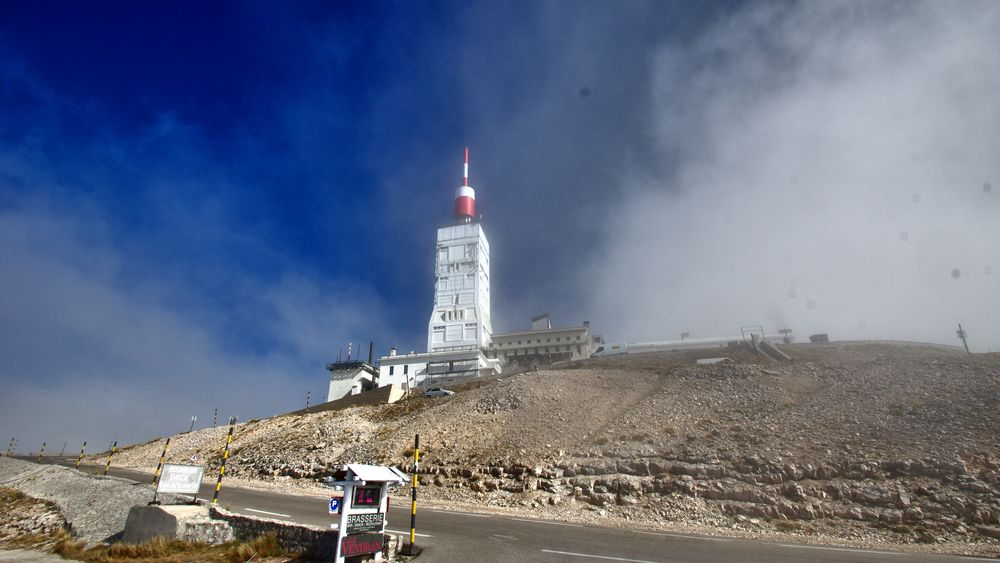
(182, 522)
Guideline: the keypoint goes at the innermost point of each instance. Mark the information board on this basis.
(365, 522)
(183, 479)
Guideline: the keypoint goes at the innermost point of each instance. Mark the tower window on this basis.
(392, 369)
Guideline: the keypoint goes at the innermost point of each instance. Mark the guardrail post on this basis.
(413, 505)
(159, 466)
(225, 456)
(114, 448)
(79, 459)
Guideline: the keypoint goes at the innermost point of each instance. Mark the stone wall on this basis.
(320, 542)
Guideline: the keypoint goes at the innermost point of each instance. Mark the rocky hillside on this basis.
(882, 441)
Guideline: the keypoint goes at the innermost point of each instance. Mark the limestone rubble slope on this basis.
(858, 441)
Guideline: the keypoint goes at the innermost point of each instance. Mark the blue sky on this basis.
(201, 204)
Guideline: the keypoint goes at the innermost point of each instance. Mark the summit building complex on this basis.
(460, 338)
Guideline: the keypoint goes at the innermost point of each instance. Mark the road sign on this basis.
(183, 479)
(334, 505)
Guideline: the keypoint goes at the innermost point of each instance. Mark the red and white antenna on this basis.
(465, 196)
(465, 176)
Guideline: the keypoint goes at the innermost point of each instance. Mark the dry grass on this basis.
(162, 549)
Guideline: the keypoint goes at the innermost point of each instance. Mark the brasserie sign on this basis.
(357, 523)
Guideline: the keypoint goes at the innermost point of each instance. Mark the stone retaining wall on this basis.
(320, 542)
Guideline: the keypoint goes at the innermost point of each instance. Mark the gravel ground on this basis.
(95, 507)
(25, 556)
(873, 444)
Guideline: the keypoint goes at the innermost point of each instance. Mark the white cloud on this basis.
(831, 169)
(90, 353)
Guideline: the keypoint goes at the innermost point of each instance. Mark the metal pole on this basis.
(961, 334)
(193, 419)
(42, 451)
(159, 466)
(413, 506)
(79, 459)
(114, 448)
(225, 456)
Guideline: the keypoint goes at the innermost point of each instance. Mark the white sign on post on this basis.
(182, 479)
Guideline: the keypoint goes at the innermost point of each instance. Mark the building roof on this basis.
(353, 366)
(543, 331)
(427, 357)
(377, 473)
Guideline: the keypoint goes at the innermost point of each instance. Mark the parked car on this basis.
(610, 350)
(438, 392)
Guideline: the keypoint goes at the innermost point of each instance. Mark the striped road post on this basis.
(159, 466)
(40, 452)
(225, 456)
(413, 507)
(82, 449)
(114, 448)
(10, 448)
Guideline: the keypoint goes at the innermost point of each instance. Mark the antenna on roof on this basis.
(465, 177)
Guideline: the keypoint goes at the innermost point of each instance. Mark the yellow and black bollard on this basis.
(159, 466)
(225, 456)
(79, 459)
(114, 448)
(40, 452)
(413, 507)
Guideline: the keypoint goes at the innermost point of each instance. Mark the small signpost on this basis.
(180, 479)
(362, 508)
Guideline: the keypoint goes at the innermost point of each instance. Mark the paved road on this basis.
(461, 536)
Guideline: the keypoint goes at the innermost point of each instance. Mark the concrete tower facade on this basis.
(460, 319)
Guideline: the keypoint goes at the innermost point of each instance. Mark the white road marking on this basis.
(504, 537)
(595, 556)
(840, 549)
(408, 533)
(974, 558)
(462, 513)
(547, 522)
(681, 536)
(269, 513)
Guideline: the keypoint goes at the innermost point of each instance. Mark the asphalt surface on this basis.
(448, 535)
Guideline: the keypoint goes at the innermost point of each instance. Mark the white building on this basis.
(460, 339)
(544, 345)
(350, 378)
(461, 315)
